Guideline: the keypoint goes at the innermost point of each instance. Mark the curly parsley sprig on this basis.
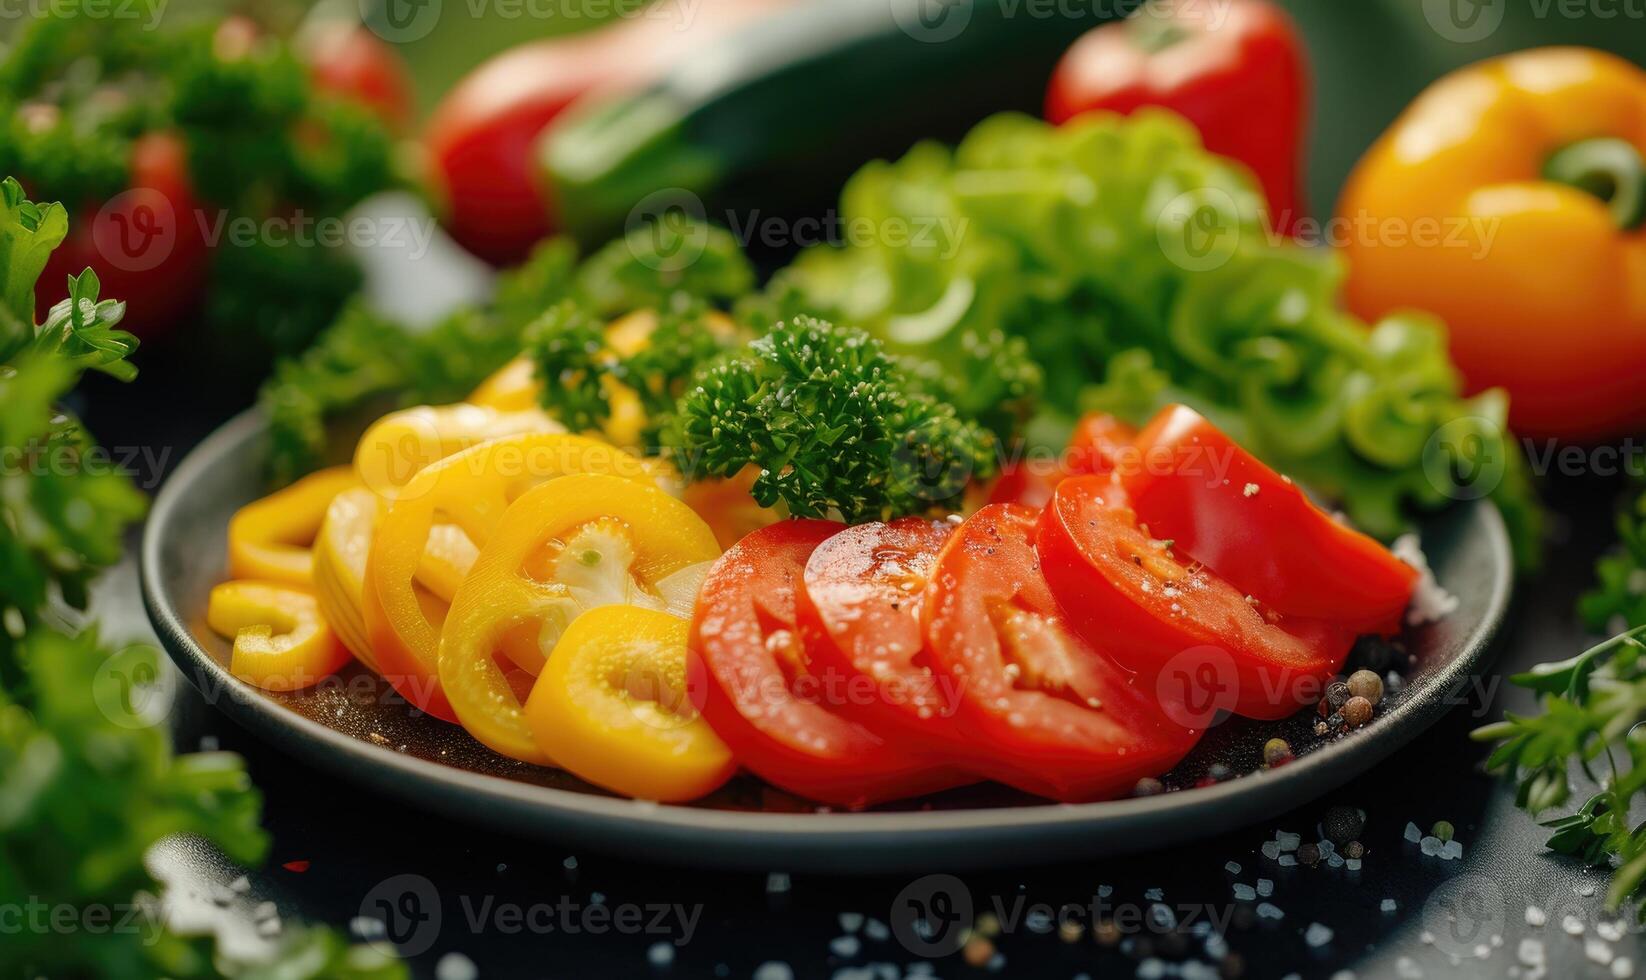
(1593, 705)
(831, 423)
(88, 778)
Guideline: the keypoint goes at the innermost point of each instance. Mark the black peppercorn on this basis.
(1308, 854)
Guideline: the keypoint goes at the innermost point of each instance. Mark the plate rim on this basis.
(1305, 778)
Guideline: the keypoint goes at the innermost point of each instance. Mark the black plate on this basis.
(359, 729)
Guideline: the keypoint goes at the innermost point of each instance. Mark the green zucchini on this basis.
(770, 121)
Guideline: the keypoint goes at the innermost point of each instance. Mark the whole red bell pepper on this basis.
(1235, 68)
(481, 140)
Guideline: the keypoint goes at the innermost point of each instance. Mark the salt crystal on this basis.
(367, 928)
(1327, 848)
(455, 966)
(1151, 969)
(1317, 934)
(776, 883)
(1271, 849)
(1573, 925)
(1104, 891)
(876, 930)
(268, 928)
(1452, 850)
(1265, 887)
(242, 885)
(1216, 946)
(1163, 917)
(1334, 861)
(597, 898)
(1597, 951)
(1268, 911)
(570, 864)
(1586, 889)
(660, 954)
(1232, 868)
(1412, 833)
(1535, 916)
(1288, 841)
(1482, 951)
(1388, 905)
(773, 970)
(1407, 969)
(1154, 894)
(1353, 864)
(1244, 893)
(1611, 931)
(1426, 937)
(264, 910)
(1288, 860)
(1623, 967)
(846, 946)
(1530, 952)
(1039, 921)
(1431, 846)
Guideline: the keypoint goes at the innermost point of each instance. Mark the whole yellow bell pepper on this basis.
(271, 538)
(1509, 199)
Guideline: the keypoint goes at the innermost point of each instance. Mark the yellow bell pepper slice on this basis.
(513, 388)
(617, 705)
(271, 538)
(340, 552)
(729, 507)
(401, 443)
(281, 640)
(613, 542)
(470, 490)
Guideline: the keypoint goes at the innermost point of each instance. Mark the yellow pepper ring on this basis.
(400, 444)
(499, 597)
(340, 552)
(270, 538)
(281, 641)
(618, 705)
(470, 489)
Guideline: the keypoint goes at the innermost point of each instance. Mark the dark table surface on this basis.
(514, 908)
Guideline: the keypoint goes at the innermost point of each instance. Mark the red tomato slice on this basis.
(1096, 447)
(1099, 443)
(1052, 715)
(1259, 532)
(761, 697)
(1180, 625)
(859, 616)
